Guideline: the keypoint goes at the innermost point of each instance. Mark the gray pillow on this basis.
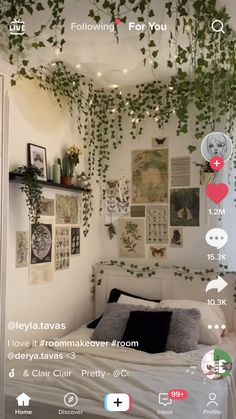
(184, 330)
(114, 320)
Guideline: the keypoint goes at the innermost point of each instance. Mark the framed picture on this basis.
(37, 156)
(184, 207)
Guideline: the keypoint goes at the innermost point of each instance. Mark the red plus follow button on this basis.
(216, 163)
(177, 394)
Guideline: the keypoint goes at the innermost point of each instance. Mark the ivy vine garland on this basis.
(204, 64)
(147, 272)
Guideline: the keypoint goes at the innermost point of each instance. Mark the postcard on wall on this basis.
(75, 240)
(62, 248)
(176, 237)
(22, 248)
(41, 244)
(117, 196)
(180, 171)
(157, 252)
(137, 211)
(160, 142)
(67, 209)
(131, 238)
(149, 176)
(40, 273)
(157, 224)
(47, 207)
(184, 207)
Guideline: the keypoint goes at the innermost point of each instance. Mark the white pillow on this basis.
(209, 315)
(125, 299)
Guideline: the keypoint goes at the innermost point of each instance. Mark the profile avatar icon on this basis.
(216, 144)
(212, 397)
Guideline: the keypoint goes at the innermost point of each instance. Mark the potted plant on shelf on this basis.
(33, 191)
(68, 163)
(207, 174)
(82, 180)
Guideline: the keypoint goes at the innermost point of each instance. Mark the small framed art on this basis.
(37, 156)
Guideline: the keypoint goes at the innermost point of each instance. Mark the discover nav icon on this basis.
(217, 284)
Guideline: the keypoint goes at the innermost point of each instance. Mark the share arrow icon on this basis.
(216, 284)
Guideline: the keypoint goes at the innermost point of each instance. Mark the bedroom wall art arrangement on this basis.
(131, 136)
(170, 241)
(36, 118)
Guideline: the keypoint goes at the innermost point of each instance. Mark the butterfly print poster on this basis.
(157, 224)
(160, 142)
(117, 196)
(157, 252)
(62, 248)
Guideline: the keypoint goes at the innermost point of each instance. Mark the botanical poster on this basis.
(157, 223)
(131, 238)
(75, 240)
(47, 207)
(22, 245)
(41, 244)
(62, 248)
(150, 176)
(67, 209)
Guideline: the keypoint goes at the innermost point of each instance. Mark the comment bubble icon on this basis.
(164, 399)
(216, 237)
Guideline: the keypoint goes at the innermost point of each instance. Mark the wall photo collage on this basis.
(58, 239)
(160, 203)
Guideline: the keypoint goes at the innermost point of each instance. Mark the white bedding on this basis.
(148, 375)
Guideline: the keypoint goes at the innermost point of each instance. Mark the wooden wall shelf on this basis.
(17, 178)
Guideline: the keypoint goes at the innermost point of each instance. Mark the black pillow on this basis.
(113, 298)
(116, 293)
(150, 329)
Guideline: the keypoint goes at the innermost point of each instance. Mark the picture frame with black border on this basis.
(37, 156)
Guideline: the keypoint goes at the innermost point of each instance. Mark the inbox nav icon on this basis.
(164, 399)
(117, 402)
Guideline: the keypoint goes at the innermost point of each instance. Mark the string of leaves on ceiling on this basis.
(201, 90)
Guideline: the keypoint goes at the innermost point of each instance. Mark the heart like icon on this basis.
(117, 21)
(217, 191)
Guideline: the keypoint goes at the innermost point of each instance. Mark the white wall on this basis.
(35, 117)
(195, 249)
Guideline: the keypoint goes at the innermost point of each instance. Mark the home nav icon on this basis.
(23, 400)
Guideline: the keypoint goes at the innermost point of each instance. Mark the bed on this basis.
(144, 375)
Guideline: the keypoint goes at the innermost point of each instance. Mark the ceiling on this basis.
(97, 53)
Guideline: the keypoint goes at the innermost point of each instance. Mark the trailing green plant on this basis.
(204, 166)
(87, 201)
(144, 12)
(148, 271)
(20, 45)
(203, 84)
(111, 230)
(33, 191)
